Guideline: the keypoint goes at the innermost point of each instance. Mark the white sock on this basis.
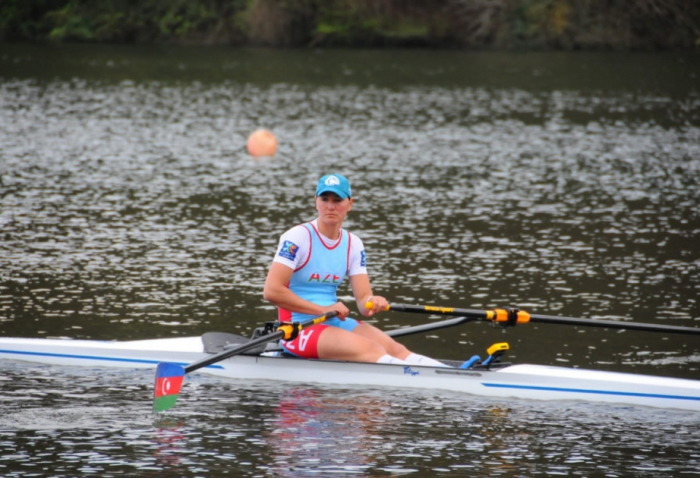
(417, 359)
(389, 359)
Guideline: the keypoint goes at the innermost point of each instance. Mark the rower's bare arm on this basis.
(277, 292)
(362, 290)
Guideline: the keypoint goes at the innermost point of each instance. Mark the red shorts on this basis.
(306, 343)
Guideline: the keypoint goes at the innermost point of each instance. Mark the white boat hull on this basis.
(535, 382)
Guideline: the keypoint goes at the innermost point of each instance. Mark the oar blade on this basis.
(169, 378)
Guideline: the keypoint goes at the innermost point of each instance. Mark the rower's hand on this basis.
(378, 302)
(341, 308)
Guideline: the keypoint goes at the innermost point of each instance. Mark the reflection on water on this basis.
(562, 184)
(315, 433)
(276, 429)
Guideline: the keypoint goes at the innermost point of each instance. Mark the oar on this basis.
(428, 327)
(509, 317)
(169, 376)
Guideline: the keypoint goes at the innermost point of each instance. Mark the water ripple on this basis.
(141, 193)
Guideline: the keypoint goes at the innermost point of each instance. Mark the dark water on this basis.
(96, 423)
(565, 184)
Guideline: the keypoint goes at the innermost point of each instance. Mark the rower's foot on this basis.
(391, 360)
(418, 359)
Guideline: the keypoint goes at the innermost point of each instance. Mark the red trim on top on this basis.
(309, 338)
(347, 267)
(311, 246)
(284, 315)
(340, 238)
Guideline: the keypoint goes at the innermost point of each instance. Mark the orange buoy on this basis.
(262, 143)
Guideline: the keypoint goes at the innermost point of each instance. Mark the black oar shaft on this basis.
(611, 324)
(546, 319)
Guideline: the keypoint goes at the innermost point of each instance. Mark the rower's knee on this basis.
(366, 350)
(398, 350)
(376, 351)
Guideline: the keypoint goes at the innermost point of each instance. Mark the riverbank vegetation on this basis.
(497, 24)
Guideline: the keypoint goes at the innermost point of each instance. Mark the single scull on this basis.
(499, 380)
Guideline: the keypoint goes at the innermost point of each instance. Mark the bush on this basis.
(567, 24)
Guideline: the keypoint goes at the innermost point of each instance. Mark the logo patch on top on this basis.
(288, 250)
(332, 181)
(363, 259)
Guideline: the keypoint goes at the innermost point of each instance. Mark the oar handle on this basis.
(291, 330)
(370, 305)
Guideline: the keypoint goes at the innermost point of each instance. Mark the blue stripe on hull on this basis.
(595, 392)
(88, 357)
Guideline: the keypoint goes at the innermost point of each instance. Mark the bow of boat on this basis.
(560, 383)
(136, 353)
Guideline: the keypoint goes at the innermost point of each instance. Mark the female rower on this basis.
(312, 260)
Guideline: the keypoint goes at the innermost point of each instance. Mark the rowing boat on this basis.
(498, 380)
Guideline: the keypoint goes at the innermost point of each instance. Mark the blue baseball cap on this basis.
(334, 183)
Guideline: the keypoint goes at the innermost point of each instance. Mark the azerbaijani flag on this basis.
(168, 383)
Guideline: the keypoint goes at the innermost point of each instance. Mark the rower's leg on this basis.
(391, 346)
(338, 344)
(394, 348)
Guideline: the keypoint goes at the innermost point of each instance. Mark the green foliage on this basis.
(474, 23)
(121, 20)
(380, 22)
(25, 19)
(540, 22)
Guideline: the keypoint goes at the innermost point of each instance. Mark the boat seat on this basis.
(215, 342)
